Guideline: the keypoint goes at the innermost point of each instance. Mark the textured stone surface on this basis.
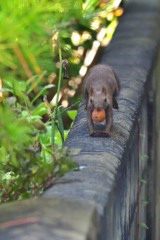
(56, 219)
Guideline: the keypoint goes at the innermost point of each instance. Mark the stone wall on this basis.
(156, 146)
(118, 173)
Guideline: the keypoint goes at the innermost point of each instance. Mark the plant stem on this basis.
(57, 96)
(59, 78)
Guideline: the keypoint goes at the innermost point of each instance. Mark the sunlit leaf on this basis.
(72, 114)
(40, 110)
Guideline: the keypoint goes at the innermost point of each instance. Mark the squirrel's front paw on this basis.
(106, 134)
(93, 133)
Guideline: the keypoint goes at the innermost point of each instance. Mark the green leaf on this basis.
(33, 82)
(5, 90)
(8, 176)
(57, 138)
(144, 202)
(143, 157)
(42, 91)
(40, 110)
(143, 225)
(72, 114)
(143, 181)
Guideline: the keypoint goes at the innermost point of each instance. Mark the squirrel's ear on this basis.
(104, 90)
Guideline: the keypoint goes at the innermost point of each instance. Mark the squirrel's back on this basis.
(101, 76)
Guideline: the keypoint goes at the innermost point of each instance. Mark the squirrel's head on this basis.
(98, 98)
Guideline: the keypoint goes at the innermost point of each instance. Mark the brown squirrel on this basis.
(101, 87)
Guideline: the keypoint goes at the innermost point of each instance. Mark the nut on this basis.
(98, 115)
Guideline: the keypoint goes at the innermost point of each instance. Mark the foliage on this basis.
(29, 161)
(30, 38)
(143, 225)
(35, 37)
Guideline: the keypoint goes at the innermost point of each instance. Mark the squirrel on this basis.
(101, 86)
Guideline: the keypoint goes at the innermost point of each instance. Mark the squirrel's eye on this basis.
(105, 100)
(91, 101)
